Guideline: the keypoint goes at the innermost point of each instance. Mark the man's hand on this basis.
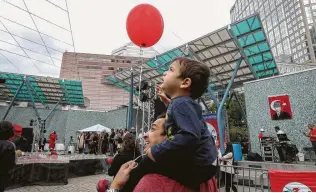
(162, 96)
(148, 152)
(122, 175)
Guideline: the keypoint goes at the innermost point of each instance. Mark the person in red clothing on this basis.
(52, 140)
(312, 135)
(260, 136)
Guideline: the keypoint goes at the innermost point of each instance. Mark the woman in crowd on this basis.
(227, 159)
(125, 154)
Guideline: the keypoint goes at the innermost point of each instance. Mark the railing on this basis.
(243, 179)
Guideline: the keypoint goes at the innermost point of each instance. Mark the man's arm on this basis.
(144, 167)
(185, 141)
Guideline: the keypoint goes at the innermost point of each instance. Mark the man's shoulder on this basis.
(5, 144)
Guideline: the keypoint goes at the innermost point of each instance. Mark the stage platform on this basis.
(296, 166)
(44, 169)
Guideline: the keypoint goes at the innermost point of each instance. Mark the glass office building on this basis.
(289, 24)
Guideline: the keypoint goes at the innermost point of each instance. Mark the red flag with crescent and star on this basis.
(280, 107)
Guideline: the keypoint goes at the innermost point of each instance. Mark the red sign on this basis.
(280, 107)
(292, 181)
(211, 122)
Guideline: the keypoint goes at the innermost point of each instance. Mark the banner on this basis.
(280, 107)
(292, 181)
(211, 122)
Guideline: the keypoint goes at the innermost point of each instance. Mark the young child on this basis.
(190, 142)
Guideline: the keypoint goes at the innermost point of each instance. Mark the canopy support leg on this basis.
(220, 115)
(12, 101)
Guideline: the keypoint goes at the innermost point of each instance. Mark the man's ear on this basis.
(186, 83)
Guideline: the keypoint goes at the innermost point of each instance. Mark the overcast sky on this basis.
(98, 27)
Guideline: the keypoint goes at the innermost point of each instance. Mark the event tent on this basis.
(96, 128)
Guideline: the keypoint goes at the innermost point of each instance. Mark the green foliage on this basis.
(234, 113)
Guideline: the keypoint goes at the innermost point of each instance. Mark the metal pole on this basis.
(213, 97)
(32, 99)
(130, 106)
(11, 104)
(52, 110)
(220, 115)
(39, 98)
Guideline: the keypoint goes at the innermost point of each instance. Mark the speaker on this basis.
(160, 108)
(254, 157)
(27, 133)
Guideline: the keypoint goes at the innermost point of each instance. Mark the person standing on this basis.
(105, 143)
(112, 142)
(81, 142)
(312, 135)
(52, 140)
(227, 160)
(7, 153)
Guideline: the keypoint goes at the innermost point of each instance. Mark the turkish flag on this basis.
(292, 181)
(280, 107)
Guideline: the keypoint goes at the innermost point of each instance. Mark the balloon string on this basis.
(138, 102)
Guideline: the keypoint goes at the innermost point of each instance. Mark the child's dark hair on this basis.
(6, 130)
(197, 72)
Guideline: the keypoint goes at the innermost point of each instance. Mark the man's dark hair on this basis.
(197, 72)
(277, 128)
(6, 130)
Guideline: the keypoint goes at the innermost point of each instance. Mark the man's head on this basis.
(277, 106)
(157, 133)
(277, 128)
(6, 130)
(186, 77)
(310, 126)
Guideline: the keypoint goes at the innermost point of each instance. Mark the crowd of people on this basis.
(101, 143)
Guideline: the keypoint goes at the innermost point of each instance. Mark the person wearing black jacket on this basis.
(7, 153)
(126, 153)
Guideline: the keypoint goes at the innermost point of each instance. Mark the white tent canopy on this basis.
(96, 128)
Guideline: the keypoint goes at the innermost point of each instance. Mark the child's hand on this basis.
(162, 96)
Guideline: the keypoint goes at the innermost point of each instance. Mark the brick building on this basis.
(92, 69)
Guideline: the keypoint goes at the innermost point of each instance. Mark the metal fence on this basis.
(243, 179)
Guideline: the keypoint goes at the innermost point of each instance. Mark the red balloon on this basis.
(144, 25)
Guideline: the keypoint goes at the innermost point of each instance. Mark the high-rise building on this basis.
(92, 70)
(131, 49)
(290, 25)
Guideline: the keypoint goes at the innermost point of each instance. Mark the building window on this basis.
(280, 49)
(286, 46)
(278, 2)
(110, 68)
(269, 23)
(272, 5)
(277, 34)
(271, 38)
(266, 7)
(274, 19)
(274, 51)
(280, 12)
